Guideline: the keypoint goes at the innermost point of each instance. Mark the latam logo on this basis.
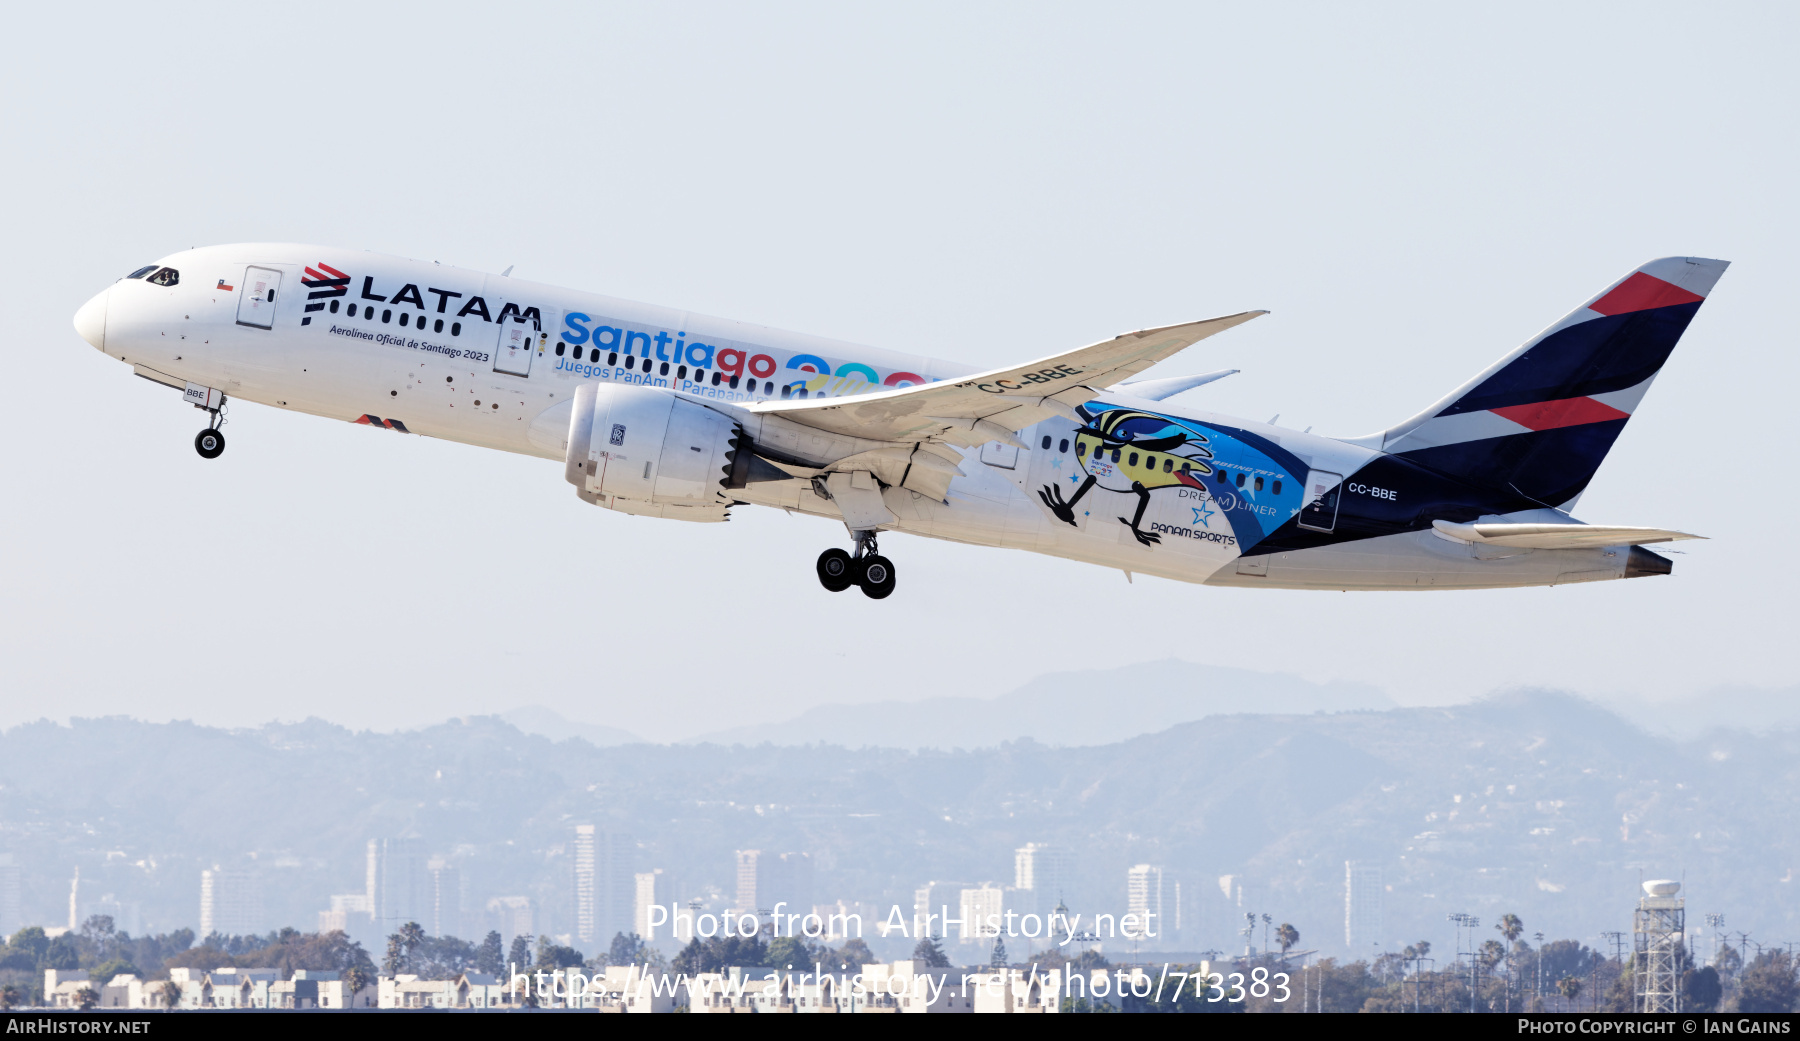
(325, 282)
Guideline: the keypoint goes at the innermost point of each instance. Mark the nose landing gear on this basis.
(210, 443)
(868, 569)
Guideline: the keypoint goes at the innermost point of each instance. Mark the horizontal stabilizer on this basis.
(1557, 536)
(1157, 390)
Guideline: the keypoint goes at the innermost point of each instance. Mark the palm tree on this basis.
(395, 958)
(1569, 987)
(1512, 928)
(1287, 936)
(355, 979)
(170, 992)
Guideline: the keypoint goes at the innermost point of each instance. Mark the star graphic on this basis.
(1074, 478)
(1201, 515)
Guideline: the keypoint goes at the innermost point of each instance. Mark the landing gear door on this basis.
(256, 297)
(518, 342)
(1321, 509)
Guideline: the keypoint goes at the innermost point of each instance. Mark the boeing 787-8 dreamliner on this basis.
(668, 414)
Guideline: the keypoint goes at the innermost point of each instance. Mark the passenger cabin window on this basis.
(1080, 450)
(1046, 443)
(1240, 480)
(1168, 466)
(1222, 477)
(560, 347)
(334, 308)
(1259, 484)
(1063, 446)
(141, 272)
(1132, 461)
(165, 277)
(1277, 487)
(613, 358)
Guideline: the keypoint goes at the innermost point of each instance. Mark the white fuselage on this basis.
(439, 351)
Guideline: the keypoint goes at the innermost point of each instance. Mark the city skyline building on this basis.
(1364, 904)
(765, 878)
(982, 912)
(1041, 875)
(399, 883)
(652, 888)
(934, 902)
(230, 902)
(446, 898)
(1144, 898)
(350, 913)
(512, 916)
(587, 897)
(605, 886)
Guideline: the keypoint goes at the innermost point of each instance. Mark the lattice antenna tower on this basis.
(1657, 931)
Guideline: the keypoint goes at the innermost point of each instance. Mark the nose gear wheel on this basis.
(210, 443)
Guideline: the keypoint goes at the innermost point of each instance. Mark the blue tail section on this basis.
(1541, 420)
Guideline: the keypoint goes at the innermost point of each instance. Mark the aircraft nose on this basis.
(90, 321)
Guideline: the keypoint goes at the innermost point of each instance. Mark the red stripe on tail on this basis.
(1569, 412)
(1641, 292)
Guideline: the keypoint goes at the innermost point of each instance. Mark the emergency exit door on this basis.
(256, 297)
(518, 342)
(1321, 509)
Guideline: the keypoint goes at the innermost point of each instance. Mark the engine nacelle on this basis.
(643, 450)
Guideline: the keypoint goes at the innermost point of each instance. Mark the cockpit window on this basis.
(166, 277)
(141, 272)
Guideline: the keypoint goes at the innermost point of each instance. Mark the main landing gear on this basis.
(839, 570)
(210, 443)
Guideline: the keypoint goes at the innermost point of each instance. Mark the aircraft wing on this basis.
(1558, 536)
(991, 406)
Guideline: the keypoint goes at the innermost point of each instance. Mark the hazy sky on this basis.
(1412, 190)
